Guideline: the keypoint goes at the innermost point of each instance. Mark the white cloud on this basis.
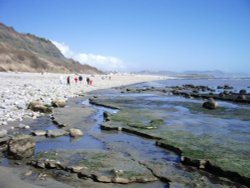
(63, 48)
(106, 63)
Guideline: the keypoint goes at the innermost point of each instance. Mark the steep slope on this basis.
(29, 53)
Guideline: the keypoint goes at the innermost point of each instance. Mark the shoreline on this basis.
(19, 89)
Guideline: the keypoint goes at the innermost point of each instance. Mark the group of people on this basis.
(76, 79)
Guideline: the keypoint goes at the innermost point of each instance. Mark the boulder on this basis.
(21, 146)
(243, 92)
(39, 133)
(55, 133)
(210, 104)
(106, 116)
(38, 106)
(75, 132)
(58, 102)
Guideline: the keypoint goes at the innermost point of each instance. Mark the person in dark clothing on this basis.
(80, 78)
(68, 80)
(87, 79)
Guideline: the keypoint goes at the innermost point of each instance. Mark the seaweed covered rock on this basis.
(22, 146)
(38, 106)
(210, 104)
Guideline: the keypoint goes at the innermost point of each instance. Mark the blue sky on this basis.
(174, 35)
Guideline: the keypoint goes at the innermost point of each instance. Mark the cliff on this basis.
(29, 53)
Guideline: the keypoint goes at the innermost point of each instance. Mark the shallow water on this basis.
(179, 113)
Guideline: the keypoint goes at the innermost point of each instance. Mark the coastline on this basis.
(72, 91)
(18, 89)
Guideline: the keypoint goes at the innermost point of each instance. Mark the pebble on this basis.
(18, 89)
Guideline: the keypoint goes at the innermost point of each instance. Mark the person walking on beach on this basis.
(68, 80)
(80, 78)
(87, 79)
(76, 79)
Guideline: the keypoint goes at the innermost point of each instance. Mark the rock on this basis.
(76, 169)
(120, 180)
(241, 97)
(40, 164)
(202, 164)
(39, 133)
(52, 163)
(55, 133)
(22, 146)
(4, 143)
(117, 172)
(210, 104)
(222, 95)
(23, 126)
(104, 179)
(106, 116)
(20, 105)
(243, 92)
(3, 133)
(38, 106)
(29, 173)
(58, 102)
(75, 132)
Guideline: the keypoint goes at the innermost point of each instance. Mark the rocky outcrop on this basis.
(21, 146)
(38, 106)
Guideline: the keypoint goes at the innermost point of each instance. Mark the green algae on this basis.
(138, 118)
(220, 111)
(228, 156)
(51, 155)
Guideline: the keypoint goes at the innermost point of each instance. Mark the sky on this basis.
(135, 35)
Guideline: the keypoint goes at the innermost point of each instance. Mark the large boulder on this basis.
(21, 146)
(210, 104)
(38, 106)
(58, 102)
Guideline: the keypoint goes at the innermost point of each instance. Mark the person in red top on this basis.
(76, 79)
